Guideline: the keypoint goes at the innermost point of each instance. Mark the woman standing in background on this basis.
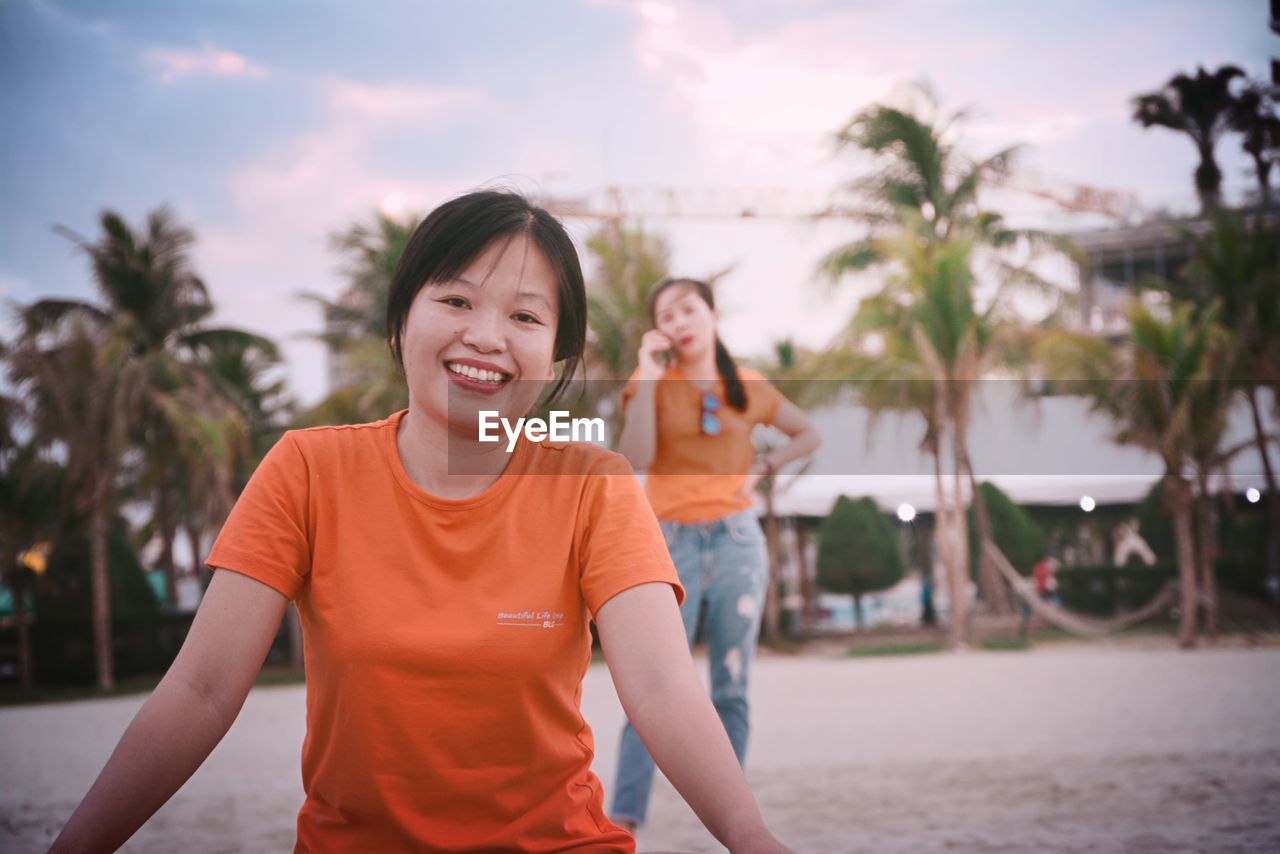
(688, 426)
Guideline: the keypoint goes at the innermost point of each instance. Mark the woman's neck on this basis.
(701, 368)
(443, 464)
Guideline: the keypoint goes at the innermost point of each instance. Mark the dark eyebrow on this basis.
(678, 303)
(530, 295)
(527, 295)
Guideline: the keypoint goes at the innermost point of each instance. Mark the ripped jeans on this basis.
(723, 568)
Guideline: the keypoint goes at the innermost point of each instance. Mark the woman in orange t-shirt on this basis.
(688, 426)
(445, 587)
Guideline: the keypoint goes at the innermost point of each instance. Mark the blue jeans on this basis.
(722, 565)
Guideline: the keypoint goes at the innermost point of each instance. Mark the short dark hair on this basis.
(456, 233)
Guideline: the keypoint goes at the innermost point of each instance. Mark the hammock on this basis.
(1063, 619)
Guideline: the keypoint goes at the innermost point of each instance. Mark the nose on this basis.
(482, 331)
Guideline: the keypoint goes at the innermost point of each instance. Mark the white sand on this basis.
(1065, 748)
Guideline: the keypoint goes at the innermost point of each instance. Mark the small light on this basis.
(1087, 504)
(1252, 495)
(906, 512)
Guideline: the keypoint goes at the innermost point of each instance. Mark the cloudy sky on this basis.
(268, 126)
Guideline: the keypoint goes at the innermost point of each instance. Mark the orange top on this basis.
(445, 640)
(695, 477)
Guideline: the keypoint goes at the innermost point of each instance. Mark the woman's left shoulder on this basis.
(580, 458)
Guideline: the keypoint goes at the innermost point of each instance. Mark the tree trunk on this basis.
(164, 520)
(771, 561)
(960, 551)
(1263, 169)
(1179, 495)
(1208, 554)
(1273, 497)
(1208, 179)
(995, 595)
(100, 582)
(806, 581)
(197, 557)
(857, 611)
(944, 545)
(26, 669)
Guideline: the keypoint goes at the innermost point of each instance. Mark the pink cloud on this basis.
(393, 103)
(209, 61)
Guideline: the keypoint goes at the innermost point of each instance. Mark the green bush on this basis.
(1155, 524)
(858, 551)
(64, 591)
(1106, 590)
(1013, 529)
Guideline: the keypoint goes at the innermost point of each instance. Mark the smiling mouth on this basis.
(477, 375)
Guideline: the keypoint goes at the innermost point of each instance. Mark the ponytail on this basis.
(734, 392)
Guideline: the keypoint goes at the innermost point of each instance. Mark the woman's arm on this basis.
(185, 717)
(644, 644)
(803, 437)
(639, 439)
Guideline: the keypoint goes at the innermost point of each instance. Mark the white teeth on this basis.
(475, 373)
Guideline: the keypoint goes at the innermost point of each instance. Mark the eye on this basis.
(526, 317)
(456, 302)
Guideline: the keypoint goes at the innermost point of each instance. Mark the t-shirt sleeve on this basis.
(763, 398)
(622, 545)
(266, 535)
(629, 390)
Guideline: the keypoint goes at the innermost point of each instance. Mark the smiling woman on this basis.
(436, 717)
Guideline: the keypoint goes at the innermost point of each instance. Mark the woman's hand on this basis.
(653, 343)
(760, 467)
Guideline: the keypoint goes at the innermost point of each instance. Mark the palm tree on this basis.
(85, 394)
(244, 374)
(1163, 389)
(1235, 276)
(29, 517)
(626, 263)
(796, 373)
(936, 344)
(1200, 107)
(365, 383)
(152, 296)
(1254, 116)
(921, 205)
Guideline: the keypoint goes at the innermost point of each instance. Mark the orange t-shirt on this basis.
(445, 640)
(695, 477)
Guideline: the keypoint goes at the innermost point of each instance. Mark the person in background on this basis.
(928, 614)
(689, 414)
(1042, 575)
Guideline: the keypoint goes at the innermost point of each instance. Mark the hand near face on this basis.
(652, 344)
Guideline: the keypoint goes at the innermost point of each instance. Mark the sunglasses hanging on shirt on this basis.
(710, 421)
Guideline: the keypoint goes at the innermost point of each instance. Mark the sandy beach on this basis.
(1127, 747)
